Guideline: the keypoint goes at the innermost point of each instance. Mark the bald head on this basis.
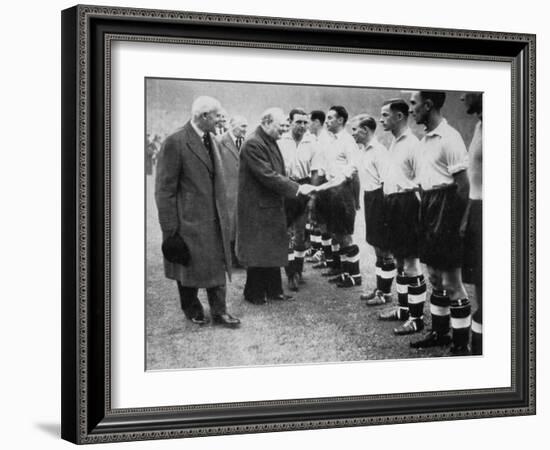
(272, 120)
(238, 126)
(204, 113)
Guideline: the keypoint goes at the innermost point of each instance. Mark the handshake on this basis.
(306, 189)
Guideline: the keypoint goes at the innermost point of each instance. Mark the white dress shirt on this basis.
(340, 157)
(372, 165)
(298, 157)
(442, 155)
(402, 165)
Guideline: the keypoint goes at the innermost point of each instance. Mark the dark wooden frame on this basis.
(87, 32)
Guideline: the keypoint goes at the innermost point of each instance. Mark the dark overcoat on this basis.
(190, 196)
(262, 239)
(230, 161)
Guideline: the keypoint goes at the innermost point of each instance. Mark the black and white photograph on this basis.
(291, 224)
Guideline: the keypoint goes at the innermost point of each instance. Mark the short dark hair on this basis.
(398, 105)
(368, 122)
(340, 111)
(295, 111)
(318, 115)
(437, 98)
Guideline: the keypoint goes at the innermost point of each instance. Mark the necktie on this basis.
(239, 143)
(208, 145)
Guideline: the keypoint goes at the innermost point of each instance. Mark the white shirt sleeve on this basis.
(352, 155)
(455, 153)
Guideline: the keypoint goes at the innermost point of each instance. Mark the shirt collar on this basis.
(306, 138)
(322, 134)
(198, 130)
(373, 143)
(232, 136)
(339, 134)
(439, 130)
(406, 133)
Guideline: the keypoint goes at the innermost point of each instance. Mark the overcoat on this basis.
(262, 239)
(230, 161)
(190, 196)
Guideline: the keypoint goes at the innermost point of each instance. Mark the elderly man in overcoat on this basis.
(230, 146)
(190, 196)
(262, 240)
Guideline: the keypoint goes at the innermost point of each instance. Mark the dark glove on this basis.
(175, 250)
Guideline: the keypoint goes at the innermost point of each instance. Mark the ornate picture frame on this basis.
(88, 33)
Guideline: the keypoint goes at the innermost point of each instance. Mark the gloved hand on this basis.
(175, 250)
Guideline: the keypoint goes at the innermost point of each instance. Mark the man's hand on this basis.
(175, 250)
(306, 189)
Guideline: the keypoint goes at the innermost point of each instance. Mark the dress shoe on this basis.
(281, 298)
(199, 320)
(409, 327)
(432, 339)
(227, 320)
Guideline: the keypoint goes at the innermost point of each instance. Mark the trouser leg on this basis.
(274, 283)
(216, 300)
(255, 286)
(189, 301)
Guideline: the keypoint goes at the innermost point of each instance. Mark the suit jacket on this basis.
(190, 197)
(262, 239)
(230, 161)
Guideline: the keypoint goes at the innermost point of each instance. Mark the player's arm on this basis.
(456, 155)
(463, 184)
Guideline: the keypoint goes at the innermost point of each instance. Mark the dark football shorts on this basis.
(296, 207)
(336, 208)
(374, 218)
(473, 255)
(441, 213)
(402, 223)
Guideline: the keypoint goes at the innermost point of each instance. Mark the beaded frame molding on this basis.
(87, 35)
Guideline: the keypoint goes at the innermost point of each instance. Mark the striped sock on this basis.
(401, 283)
(378, 272)
(416, 296)
(353, 258)
(461, 321)
(387, 275)
(308, 230)
(477, 333)
(299, 254)
(344, 264)
(290, 267)
(315, 239)
(326, 242)
(440, 307)
(336, 260)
